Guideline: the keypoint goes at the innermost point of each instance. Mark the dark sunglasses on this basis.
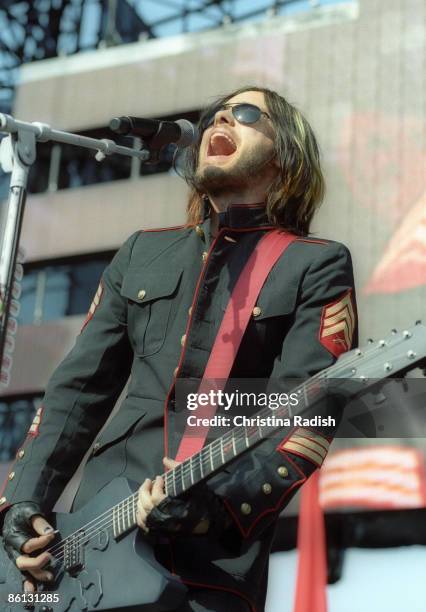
(243, 112)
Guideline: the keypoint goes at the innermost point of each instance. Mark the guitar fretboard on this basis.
(400, 352)
(220, 452)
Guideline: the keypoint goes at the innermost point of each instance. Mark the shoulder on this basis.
(156, 239)
(144, 245)
(320, 246)
(312, 252)
(163, 235)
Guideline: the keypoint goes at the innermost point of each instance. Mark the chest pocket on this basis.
(150, 295)
(275, 301)
(269, 323)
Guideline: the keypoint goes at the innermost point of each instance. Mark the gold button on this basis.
(11, 475)
(141, 294)
(257, 311)
(282, 471)
(266, 488)
(204, 255)
(190, 310)
(245, 508)
(199, 231)
(21, 453)
(183, 339)
(3, 500)
(175, 372)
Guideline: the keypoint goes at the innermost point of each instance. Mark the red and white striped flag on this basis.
(376, 477)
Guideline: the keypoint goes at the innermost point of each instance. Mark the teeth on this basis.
(225, 137)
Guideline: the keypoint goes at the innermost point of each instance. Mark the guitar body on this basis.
(108, 562)
(109, 574)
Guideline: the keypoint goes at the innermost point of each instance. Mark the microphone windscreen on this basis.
(189, 133)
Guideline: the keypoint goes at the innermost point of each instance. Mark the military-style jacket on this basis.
(155, 317)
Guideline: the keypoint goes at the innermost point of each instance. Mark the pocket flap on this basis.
(145, 285)
(276, 303)
(274, 300)
(128, 415)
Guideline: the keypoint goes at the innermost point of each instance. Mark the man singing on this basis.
(155, 318)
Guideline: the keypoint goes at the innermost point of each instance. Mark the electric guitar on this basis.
(96, 544)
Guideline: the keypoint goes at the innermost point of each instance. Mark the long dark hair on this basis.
(299, 188)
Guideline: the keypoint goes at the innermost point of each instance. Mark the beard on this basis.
(241, 175)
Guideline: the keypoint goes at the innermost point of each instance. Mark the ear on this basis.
(276, 162)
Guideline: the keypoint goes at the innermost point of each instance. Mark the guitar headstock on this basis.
(393, 355)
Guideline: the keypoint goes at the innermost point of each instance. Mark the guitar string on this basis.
(210, 452)
(128, 504)
(242, 433)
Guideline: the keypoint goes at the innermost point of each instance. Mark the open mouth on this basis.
(221, 145)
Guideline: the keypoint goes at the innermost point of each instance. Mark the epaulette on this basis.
(314, 241)
(165, 229)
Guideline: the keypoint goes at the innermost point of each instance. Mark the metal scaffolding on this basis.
(41, 29)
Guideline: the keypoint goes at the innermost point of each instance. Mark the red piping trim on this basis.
(314, 241)
(221, 232)
(218, 588)
(39, 414)
(246, 532)
(166, 229)
(90, 315)
(287, 437)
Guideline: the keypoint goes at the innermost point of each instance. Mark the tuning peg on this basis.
(418, 322)
(394, 331)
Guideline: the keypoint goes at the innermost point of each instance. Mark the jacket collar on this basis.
(242, 216)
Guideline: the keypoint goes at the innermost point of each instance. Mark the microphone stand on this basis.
(18, 152)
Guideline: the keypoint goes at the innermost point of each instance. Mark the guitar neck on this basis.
(221, 451)
(399, 353)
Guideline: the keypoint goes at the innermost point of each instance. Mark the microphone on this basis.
(158, 133)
